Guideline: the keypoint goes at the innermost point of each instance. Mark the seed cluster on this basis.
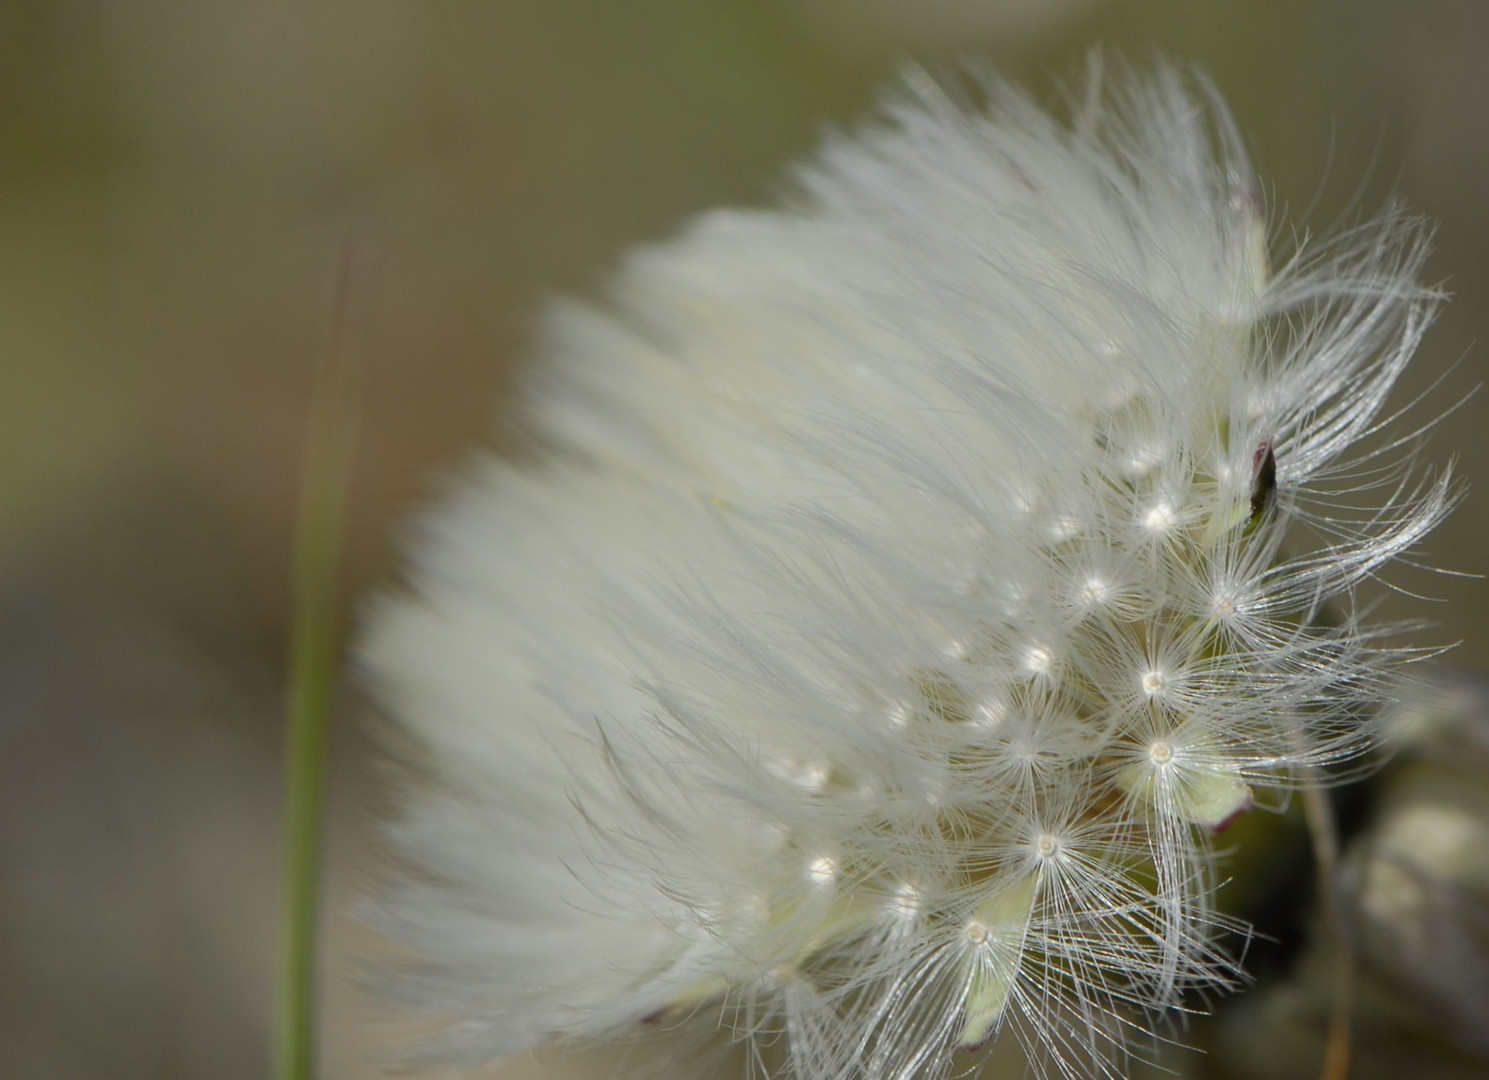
(906, 588)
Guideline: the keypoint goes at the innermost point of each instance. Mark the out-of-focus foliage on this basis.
(1414, 885)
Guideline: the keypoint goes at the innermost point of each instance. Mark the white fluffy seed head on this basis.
(1038, 660)
(1095, 590)
(1161, 516)
(987, 367)
(906, 901)
(823, 870)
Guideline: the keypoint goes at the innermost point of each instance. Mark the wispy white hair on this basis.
(907, 584)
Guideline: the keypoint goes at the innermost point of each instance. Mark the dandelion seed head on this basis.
(957, 650)
(1038, 660)
(1095, 590)
(899, 714)
(910, 586)
(1143, 460)
(990, 712)
(906, 901)
(1064, 527)
(1161, 516)
(811, 776)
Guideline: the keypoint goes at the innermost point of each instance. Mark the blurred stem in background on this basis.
(311, 686)
(1324, 833)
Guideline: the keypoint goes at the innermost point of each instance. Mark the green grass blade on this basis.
(312, 677)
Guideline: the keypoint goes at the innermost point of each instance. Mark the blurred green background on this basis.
(177, 184)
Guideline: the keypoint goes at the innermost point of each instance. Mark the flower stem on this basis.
(311, 691)
(1325, 836)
